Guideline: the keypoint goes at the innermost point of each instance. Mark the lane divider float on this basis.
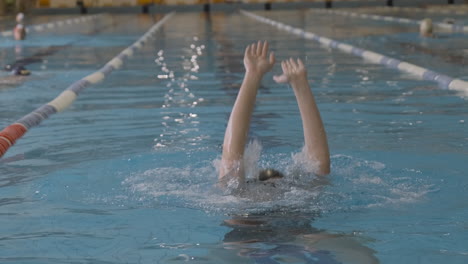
(15, 131)
(52, 25)
(443, 26)
(460, 9)
(444, 81)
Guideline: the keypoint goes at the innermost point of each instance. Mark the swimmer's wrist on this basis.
(299, 81)
(254, 74)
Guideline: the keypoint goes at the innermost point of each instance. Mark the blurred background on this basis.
(145, 6)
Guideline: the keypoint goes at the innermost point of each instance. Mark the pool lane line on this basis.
(50, 50)
(459, 11)
(52, 25)
(13, 132)
(444, 26)
(444, 81)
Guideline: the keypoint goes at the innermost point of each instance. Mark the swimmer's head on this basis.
(19, 71)
(268, 174)
(19, 17)
(449, 21)
(426, 28)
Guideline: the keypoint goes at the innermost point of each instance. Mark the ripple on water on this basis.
(354, 184)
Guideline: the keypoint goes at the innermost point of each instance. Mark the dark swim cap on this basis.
(269, 174)
(20, 70)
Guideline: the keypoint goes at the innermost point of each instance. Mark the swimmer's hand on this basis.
(316, 145)
(293, 72)
(256, 59)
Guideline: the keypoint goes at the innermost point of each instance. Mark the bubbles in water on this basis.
(179, 95)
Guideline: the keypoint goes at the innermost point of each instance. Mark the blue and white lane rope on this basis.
(444, 81)
(13, 132)
(53, 25)
(443, 26)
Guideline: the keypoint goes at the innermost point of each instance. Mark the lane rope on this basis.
(443, 26)
(444, 81)
(446, 10)
(15, 131)
(53, 25)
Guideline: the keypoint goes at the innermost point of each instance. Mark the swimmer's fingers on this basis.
(300, 64)
(259, 48)
(288, 67)
(253, 49)
(283, 78)
(264, 49)
(293, 64)
(272, 58)
(247, 51)
(284, 67)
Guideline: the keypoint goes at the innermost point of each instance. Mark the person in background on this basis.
(19, 31)
(258, 61)
(425, 28)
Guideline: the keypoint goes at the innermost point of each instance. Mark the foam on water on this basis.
(354, 184)
(361, 184)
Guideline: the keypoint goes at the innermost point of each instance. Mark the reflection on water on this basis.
(290, 238)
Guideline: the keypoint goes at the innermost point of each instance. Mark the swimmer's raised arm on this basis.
(257, 62)
(315, 136)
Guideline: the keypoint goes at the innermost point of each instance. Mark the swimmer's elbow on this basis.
(322, 172)
(323, 168)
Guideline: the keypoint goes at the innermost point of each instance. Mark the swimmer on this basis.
(425, 28)
(7, 82)
(17, 75)
(19, 31)
(450, 21)
(18, 70)
(258, 61)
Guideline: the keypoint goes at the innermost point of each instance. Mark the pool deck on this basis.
(249, 6)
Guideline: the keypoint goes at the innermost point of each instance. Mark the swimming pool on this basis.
(126, 174)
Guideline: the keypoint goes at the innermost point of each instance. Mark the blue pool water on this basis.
(127, 174)
(9, 22)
